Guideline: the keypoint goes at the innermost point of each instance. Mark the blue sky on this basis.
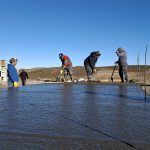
(36, 31)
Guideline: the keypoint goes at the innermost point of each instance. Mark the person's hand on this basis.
(116, 63)
(94, 71)
(61, 71)
(16, 84)
(117, 52)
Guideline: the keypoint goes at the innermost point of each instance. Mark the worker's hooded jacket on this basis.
(12, 73)
(90, 61)
(23, 75)
(122, 60)
(66, 62)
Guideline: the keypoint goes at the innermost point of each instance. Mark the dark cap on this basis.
(61, 54)
(13, 60)
(95, 53)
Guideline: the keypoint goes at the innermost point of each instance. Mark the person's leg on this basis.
(70, 72)
(10, 84)
(125, 71)
(23, 82)
(65, 74)
(121, 73)
(89, 72)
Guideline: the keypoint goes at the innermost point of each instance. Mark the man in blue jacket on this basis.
(123, 65)
(89, 64)
(12, 73)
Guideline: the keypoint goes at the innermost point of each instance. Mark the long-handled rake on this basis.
(113, 73)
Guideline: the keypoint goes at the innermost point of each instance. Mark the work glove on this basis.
(116, 62)
(61, 71)
(117, 52)
(16, 84)
(94, 71)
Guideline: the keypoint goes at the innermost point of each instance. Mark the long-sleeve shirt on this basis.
(12, 73)
(66, 62)
(23, 75)
(90, 61)
(122, 60)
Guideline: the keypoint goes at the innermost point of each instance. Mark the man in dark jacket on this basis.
(13, 77)
(66, 66)
(89, 64)
(122, 62)
(24, 76)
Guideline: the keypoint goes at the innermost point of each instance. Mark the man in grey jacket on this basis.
(123, 65)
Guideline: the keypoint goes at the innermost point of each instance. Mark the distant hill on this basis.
(78, 71)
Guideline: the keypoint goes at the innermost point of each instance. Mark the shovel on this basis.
(113, 73)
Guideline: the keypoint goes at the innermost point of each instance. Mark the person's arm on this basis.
(20, 75)
(62, 63)
(62, 67)
(13, 75)
(92, 62)
(116, 62)
(27, 75)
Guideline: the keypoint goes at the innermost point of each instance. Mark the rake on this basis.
(113, 73)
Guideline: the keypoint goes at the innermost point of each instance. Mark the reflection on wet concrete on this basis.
(74, 116)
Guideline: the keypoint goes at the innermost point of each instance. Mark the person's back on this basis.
(23, 75)
(122, 60)
(90, 61)
(66, 61)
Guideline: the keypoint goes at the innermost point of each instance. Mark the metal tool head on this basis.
(112, 79)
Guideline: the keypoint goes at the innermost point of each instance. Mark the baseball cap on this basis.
(13, 60)
(60, 54)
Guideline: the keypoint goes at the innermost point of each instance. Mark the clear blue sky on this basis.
(36, 31)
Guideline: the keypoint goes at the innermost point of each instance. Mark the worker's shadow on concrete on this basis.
(13, 93)
(123, 91)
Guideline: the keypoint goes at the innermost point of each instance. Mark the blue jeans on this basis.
(10, 84)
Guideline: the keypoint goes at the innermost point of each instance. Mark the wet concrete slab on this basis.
(74, 117)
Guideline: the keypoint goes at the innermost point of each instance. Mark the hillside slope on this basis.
(79, 72)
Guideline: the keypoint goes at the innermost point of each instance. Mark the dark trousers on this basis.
(123, 72)
(89, 72)
(68, 72)
(23, 82)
